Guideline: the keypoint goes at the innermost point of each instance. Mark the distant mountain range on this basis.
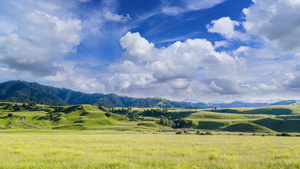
(22, 91)
(236, 104)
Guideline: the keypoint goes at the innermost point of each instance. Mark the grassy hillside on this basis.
(280, 124)
(288, 102)
(247, 127)
(275, 110)
(89, 117)
(270, 110)
(75, 117)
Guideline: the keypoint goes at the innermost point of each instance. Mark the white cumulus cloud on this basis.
(169, 71)
(226, 27)
(276, 21)
(37, 41)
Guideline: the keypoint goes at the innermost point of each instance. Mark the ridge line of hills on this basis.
(22, 92)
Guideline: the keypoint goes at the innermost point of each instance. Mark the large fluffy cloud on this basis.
(194, 69)
(169, 71)
(36, 39)
(275, 21)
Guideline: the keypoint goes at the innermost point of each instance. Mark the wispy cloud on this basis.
(188, 6)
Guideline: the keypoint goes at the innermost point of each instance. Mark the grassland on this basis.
(83, 136)
(98, 149)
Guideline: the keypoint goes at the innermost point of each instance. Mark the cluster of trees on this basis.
(103, 108)
(178, 123)
(30, 106)
(166, 122)
(121, 111)
(124, 111)
(51, 116)
(183, 123)
(162, 103)
(133, 116)
(155, 112)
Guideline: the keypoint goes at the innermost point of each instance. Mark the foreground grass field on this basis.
(112, 149)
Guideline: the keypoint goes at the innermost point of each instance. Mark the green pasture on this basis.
(111, 149)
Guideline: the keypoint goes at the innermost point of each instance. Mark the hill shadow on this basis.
(265, 110)
(280, 125)
(271, 111)
(178, 115)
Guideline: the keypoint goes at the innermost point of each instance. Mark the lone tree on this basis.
(8, 106)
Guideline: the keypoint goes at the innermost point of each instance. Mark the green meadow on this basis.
(271, 119)
(112, 149)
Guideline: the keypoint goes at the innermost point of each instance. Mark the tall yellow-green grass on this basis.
(94, 149)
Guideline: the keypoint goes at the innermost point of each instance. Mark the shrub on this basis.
(206, 133)
(108, 114)
(179, 132)
(19, 108)
(209, 133)
(51, 116)
(186, 132)
(284, 134)
(8, 106)
(213, 156)
(38, 108)
(198, 132)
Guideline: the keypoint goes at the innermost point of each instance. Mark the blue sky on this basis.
(200, 50)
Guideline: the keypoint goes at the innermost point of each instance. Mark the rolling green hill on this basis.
(247, 127)
(77, 117)
(91, 117)
(288, 102)
(270, 110)
(280, 124)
